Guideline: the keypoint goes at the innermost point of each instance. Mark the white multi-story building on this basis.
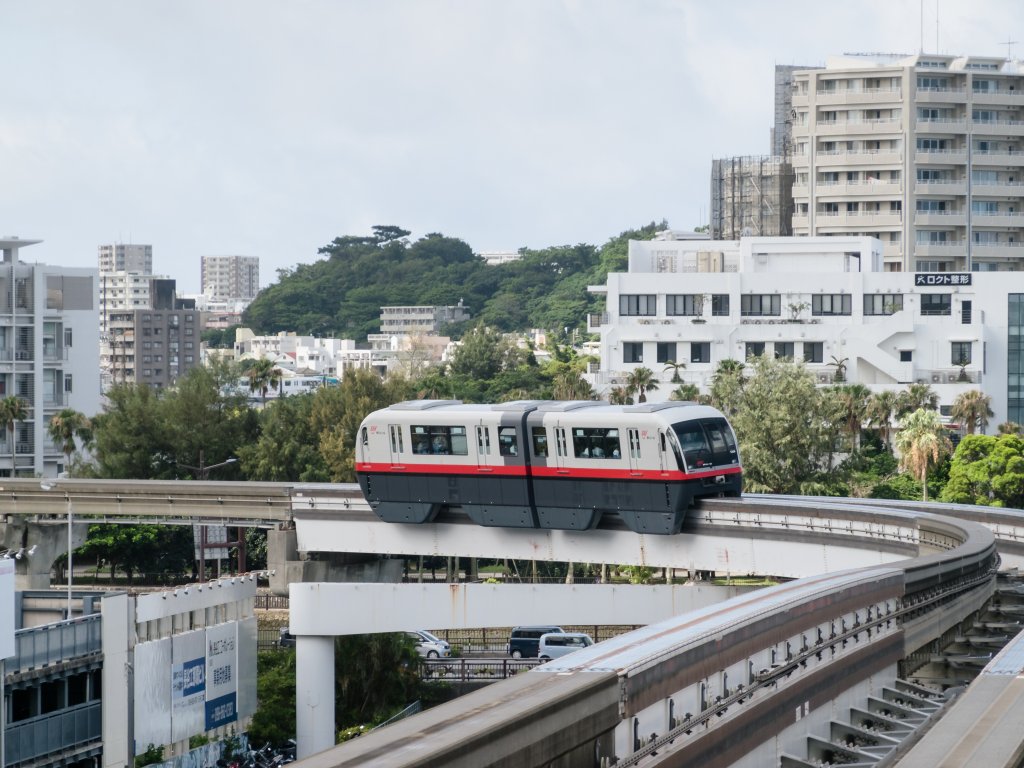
(823, 300)
(231, 277)
(48, 342)
(420, 319)
(126, 257)
(924, 152)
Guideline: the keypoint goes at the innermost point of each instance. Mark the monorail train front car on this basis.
(546, 464)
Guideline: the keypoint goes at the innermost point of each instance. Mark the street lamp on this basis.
(48, 485)
(203, 473)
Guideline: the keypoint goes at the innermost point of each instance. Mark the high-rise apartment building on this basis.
(231, 277)
(48, 340)
(125, 257)
(923, 152)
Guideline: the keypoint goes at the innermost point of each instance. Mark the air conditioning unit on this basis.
(953, 377)
(823, 378)
(936, 378)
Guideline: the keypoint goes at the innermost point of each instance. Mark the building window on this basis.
(831, 304)
(906, 356)
(783, 350)
(936, 303)
(684, 304)
(754, 349)
(814, 351)
(666, 351)
(760, 305)
(700, 351)
(632, 352)
(720, 305)
(67, 337)
(883, 303)
(961, 352)
(67, 382)
(642, 304)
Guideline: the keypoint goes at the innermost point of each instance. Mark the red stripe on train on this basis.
(539, 471)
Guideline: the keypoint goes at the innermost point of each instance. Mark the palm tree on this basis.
(726, 392)
(685, 393)
(620, 396)
(917, 395)
(972, 409)
(570, 385)
(840, 365)
(65, 428)
(854, 399)
(12, 410)
(263, 376)
(641, 380)
(881, 407)
(1010, 428)
(922, 441)
(676, 368)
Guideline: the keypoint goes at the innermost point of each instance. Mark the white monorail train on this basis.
(546, 464)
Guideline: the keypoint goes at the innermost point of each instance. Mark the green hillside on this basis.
(342, 293)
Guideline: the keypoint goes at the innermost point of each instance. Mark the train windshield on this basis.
(706, 443)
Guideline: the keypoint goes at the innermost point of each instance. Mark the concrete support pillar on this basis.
(46, 542)
(314, 694)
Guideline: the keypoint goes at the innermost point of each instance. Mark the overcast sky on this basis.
(213, 127)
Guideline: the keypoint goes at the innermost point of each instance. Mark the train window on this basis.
(596, 443)
(483, 440)
(723, 446)
(507, 443)
(540, 441)
(693, 443)
(439, 440)
(396, 438)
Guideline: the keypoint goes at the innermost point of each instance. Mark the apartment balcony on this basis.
(941, 218)
(941, 125)
(800, 191)
(892, 251)
(1002, 157)
(855, 127)
(997, 97)
(999, 219)
(800, 220)
(872, 157)
(858, 219)
(949, 376)
(800, 99)
(998, 127)
(948, 249)
(943, 187)
(1000, 250)
(941, 96)
(940, 156)
(997, 189)
(867, 96)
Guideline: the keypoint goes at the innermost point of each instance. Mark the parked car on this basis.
(524, 641)
(429, 646)
(285, 639)
(555, 644)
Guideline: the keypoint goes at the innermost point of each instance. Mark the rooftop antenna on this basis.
(936, 26)
(921, 21)
(1009, 44)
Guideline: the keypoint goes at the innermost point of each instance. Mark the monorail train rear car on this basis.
(546, 464)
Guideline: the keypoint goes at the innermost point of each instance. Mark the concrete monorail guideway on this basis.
(936, 560)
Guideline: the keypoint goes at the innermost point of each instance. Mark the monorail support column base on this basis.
(35, 547)
(314, 707)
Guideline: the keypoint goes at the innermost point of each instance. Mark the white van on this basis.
(556, 644)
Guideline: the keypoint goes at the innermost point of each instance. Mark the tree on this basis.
(881, 408)
(263, 376)
(727, 386)
(972, 409)
(854, 399)
(917, 395)
(921, 442)
(67, 427)
(685, 393)
(641, 381)
(675, 367)
(570, 385)
(131, 436)
(620, 396)
(12, 410)
(987, 470)
(777, 425)
(839, 363)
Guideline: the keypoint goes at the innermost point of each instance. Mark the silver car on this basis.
(556, 644)
(429, 646)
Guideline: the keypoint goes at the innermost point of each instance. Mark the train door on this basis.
(561, 449)
(633, 448)
(396, 444)
(483, 446)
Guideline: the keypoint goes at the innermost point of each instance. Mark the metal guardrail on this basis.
(48, 644)
(475, 670)
(53, 734)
